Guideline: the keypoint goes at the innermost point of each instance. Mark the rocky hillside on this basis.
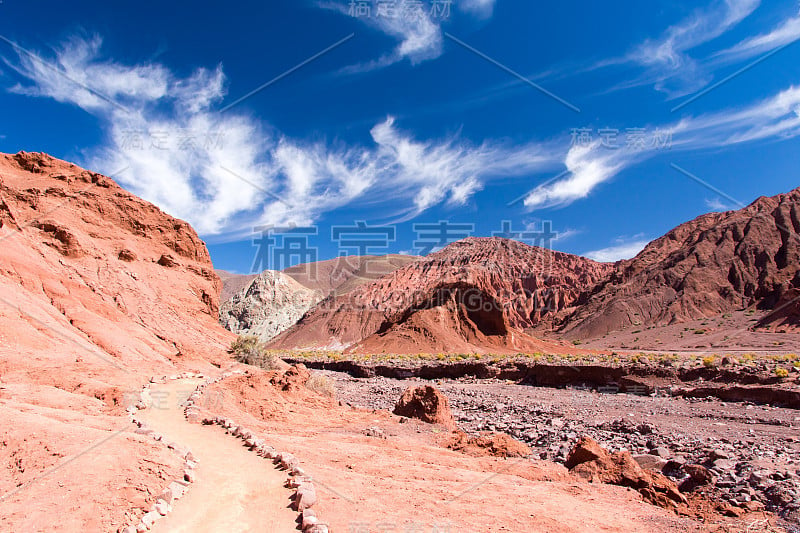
(99, 290)
(714, 264)
(233, 283)
(343, 274)
(475, 294)
(268, 305)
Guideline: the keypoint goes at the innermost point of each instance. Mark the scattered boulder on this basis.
(426, 403)
(589, 460)
(166, 260)
(293, 379)
(488, 443)
(126, 255)
(698, 473)
(651, 462)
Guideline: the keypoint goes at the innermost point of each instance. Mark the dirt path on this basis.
(235, 490)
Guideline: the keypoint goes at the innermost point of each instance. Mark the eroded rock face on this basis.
(475, 294)
(487, 443)
(88, 313)
(594, 463)
(785, 317)
(268, 305)
(425, 403)
(714, 264)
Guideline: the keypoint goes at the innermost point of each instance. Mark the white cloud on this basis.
(591, 165)
(418, 31)
(588, 167)
(715, 204)
(619, 251)
(668, 65)
(566, 233)
(785, 33)
(481, 8)
(419, 36)
(227, 173)
(451, 169)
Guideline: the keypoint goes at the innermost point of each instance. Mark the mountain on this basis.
(268, 305)
(343, 274)
(714, 264)
(474, 294)
(99, 291)
(233, 283)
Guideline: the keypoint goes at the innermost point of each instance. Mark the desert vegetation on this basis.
(248, 349)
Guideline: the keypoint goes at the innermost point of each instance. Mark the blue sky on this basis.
(609, 123)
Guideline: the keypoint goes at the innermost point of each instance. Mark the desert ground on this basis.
(430, 394)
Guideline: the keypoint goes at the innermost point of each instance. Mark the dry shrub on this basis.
(249, 350)
(321, 385)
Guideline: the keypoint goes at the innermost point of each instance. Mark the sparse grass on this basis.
(249, 350)
(321, 385)
(781, 372)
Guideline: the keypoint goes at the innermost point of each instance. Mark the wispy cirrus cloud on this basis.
(588, 166)
(623, 248)
(667, 62)
(784, 33)
(419, 36)
(227, 173)
(416, 26)
(481, 8)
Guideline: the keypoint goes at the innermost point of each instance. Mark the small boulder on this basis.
(426, 403)
(699, 474)
(650, 462)
(592, 462)
(305, 497)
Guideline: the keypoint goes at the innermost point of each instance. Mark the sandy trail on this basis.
(235, 490)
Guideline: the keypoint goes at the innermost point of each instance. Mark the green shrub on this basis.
(781, 372)
(249, 350)
(709, 361)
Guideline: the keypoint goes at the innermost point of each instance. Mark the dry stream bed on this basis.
(751, 448)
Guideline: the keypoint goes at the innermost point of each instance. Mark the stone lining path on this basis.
(234, 490)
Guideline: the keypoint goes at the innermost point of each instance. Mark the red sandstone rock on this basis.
(492, 444)
(474, 295)
(425, 403)
(592, 462)
(87, 315)
(714, 264)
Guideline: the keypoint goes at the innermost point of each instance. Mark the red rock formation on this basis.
(785, 317)
(99, 290)
(473, 295)
(341, 274)
(425, 403)
(714, 264)
(594, 463)
(487, 443)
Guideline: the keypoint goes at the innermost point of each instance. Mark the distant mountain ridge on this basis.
(714, 264)
(268, 303)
